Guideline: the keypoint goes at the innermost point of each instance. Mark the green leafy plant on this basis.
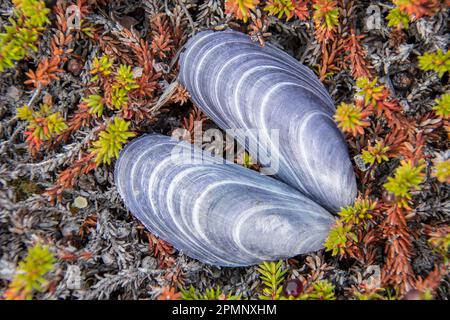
(287, 9)
(117, 83)
(370, 90)
(240, 8)
(21, 35)
(441, 170)
(418, 8)
(442, 107)
(351, 118)
(272, 275)
(111, 140)
(125, 79)
(368, 295)
(361, 210)
(321, 290)
(326, 19)
(42, 124)
(440, 242)
(438, 62)
(95, 104)
(407, 178)
(376, 153)
(280, 8)
(101, 67)
(30, 274)
(398, 18)
(119, 97)
(340, 238)
(209, 294)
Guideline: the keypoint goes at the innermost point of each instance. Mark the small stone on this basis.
(293, 288)
(402, 81)
(80, 202)
(122, 232)
(69, 230)
(137, 72)
(360, 163)
(374, 279)
(107, 258)
(388, 197)
(75, 66)
(48, 99)
(148, 264)
(414, 294)
(13, 93)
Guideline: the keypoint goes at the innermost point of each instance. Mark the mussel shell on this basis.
(217, 212)
(241, 85)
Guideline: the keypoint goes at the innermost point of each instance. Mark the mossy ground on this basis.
(102, 245)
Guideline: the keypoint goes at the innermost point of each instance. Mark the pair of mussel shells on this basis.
(222, 213)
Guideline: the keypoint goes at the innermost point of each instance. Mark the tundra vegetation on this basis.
(80, 78)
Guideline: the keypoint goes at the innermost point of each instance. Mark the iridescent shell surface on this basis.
(241, 85)
(224, 214)
(219, 213)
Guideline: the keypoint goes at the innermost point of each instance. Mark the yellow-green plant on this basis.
(326, 18)
(339, 238)
(351, 118)
(361, 210)
(240, 8)
(280, 8)
(407, 178)
(111, 140)
(321, 290)
(438, 62)
(20, 36)
(441, 244)
(116, 82)
(442, 107)
(245, 160)
(441, 170)
(125, 79)
(209, 294)
(42, 124)
(119, 97)
(95, 104)
(398, 18)
(368, 295)
(376, 153)
(272, 275)
(370, 90)
(101, 67)
(30, 274)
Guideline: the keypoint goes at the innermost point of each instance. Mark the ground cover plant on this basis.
(81, 78)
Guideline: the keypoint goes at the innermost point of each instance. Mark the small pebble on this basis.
(74, 66)
(107, 259)
(13, 93)
(293, 288)
(80, 202)
(122, 232)
(148, 264)
(137, 72)
(413, 294)
(402, 81)
(388, 197)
